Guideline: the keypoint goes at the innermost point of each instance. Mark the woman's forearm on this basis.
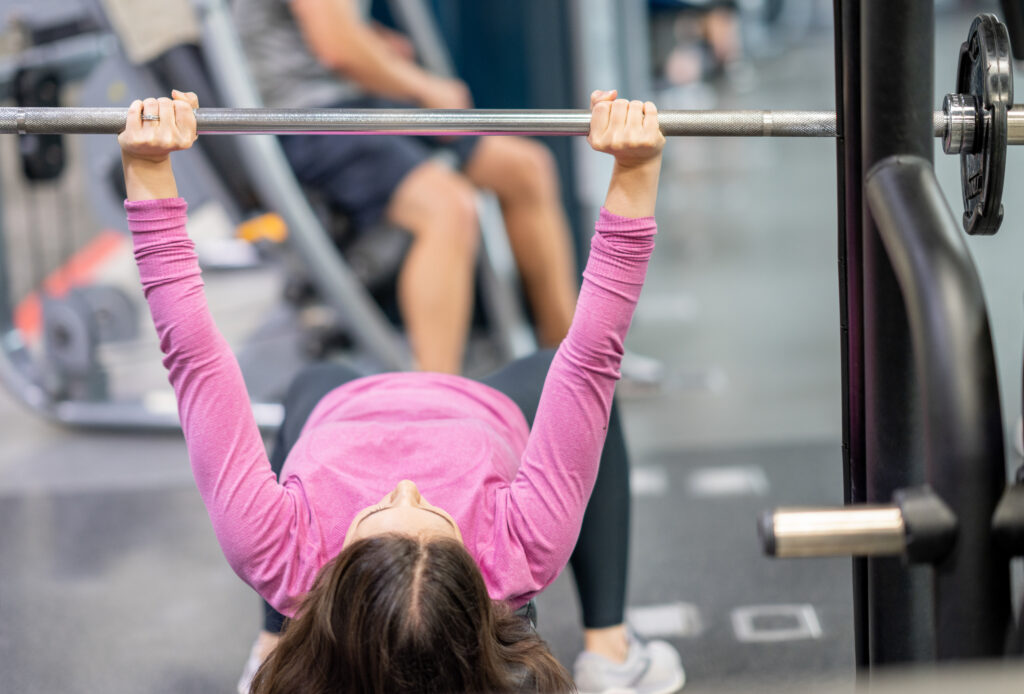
(633, 190)
(259, 530)
(559, 466)
(251, 514)
(558, 469)
(145, 179)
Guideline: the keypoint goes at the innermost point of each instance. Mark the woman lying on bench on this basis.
(386, 591)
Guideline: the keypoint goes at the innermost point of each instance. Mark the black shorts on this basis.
(358, 174)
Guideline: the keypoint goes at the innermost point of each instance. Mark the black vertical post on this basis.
(897, 72)
(851, 319)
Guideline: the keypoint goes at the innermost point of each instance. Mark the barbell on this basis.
(235, 121)
(977, 122)
(959, 123)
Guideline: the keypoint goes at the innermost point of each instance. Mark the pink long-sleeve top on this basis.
(518, 495)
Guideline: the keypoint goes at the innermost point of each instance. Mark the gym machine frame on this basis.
(26, 377)
(924, 465)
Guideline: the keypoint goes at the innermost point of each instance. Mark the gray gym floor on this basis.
(111, 579)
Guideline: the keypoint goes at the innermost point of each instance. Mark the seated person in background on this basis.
(389, 593)
(325, 53)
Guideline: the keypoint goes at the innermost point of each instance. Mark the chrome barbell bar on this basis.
(420, 122)
(232, 121)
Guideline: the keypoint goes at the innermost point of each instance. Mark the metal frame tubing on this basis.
(955, 362)
(20, 371)
(897, 68)
(851, 320)
(17, 369)
(23, 377)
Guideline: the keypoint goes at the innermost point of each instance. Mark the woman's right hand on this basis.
(628, 130)
(173, 129)
(146, 144)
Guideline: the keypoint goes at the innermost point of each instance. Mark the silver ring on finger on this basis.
(150, 116)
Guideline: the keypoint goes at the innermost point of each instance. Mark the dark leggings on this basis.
(600, 557)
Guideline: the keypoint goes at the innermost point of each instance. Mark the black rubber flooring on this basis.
(703, 551)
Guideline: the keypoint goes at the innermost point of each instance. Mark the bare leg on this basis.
(722, 31)
(611, 642)
(522, 174)
(266, 642)
(435, 284)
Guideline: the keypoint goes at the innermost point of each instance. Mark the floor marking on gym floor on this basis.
(677, 619)
(732, 480)
(648, 481)
(775, 623)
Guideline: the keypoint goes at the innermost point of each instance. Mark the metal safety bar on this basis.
(834, 532)
(234, 121)
(918, 525)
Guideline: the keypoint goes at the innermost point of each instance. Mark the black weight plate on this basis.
(985, 72)
(42, 156)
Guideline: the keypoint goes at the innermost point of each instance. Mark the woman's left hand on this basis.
(628, 130)
(157, 127)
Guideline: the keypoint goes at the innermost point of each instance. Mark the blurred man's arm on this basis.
(343, 41)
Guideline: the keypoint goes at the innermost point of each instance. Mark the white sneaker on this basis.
(651, 667)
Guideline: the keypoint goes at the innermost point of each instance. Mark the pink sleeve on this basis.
(559, 467)
(263, 528)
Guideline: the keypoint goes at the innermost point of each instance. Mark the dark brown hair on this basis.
(394, 614)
